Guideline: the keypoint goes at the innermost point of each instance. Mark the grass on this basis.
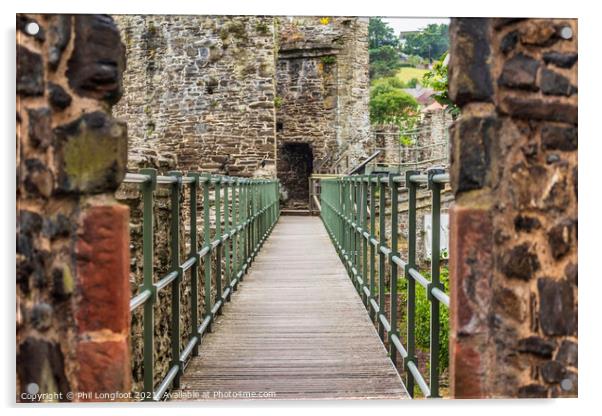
(407, 73)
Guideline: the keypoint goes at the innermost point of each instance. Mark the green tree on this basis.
(384, 61)
(390, 105)
(430, 43)
(381, 34)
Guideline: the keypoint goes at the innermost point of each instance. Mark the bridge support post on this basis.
(194, 270)
(174, 234)
(207, 245)
(394, 271)
(411, 302)
(382, 221)
(372, 186)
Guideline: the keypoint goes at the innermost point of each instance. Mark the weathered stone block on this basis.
(102, 258)
(520, 262)
(91, 154)
(469, 71)
(104, 366)
(537, 346)
(553, 83)
(559, 137)
(472, 138)
(59, 33)
(533, 108)
(39, 127)
(38, 180)
(58, 97)
(538, 33)
(520, 72)
(557, 309)
(508, 303)
(96, 65)
(567, 353)
(30, 72)
(560, 238)
(553, 371)
(561, 60)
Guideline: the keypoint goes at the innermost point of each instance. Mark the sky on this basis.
(403, 24)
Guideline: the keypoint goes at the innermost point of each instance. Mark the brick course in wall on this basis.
(514, 224)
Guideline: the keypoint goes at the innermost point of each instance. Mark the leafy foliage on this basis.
(430, 43)
(423, 313)
(390, 104)
(384, 61)
(437, 79)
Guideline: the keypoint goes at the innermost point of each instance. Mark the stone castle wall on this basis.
(224, 94)
(514, 225)
(72, 255)
(322, 95)
(199, 92)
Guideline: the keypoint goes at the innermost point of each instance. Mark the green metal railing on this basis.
(349, 211)
(249, 210)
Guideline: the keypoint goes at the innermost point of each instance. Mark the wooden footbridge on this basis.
(298, 315)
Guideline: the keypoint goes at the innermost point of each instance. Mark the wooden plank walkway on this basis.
(295, 329)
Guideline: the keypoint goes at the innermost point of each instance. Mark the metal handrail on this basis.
(346, 203)
(249, 209)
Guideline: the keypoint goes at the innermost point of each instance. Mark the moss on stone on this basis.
(328, 59)
(262, 28)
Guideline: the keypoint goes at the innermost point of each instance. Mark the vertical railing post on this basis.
(148, 188)
(411, 302)
(227, 228)
(358, 237)
(245, 231)
(382, 218)
(435, 189)
(235, 238)
(365, 242)
(352, 230)
(207, 245)
(394, 252)
(174, 233)
(194, 270)
(251, 221)
(219, 248)
(372, 247)
(341, 200)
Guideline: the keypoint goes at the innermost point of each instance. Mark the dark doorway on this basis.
(295, 165)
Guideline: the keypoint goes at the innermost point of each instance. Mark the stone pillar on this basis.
(514, 223)
(72, 237)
